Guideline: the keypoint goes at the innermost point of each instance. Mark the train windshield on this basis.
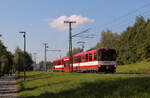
(107, 55)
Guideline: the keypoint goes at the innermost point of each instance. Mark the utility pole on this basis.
(24, 35)
(70, 45)
(45, 56)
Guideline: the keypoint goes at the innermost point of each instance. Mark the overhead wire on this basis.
(128, 21)
(125, 15)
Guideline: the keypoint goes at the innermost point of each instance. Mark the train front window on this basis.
(58, 63)
(107, 55)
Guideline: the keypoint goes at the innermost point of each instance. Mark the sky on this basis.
(42, 20)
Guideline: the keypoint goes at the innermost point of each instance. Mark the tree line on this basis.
(132, 45)
(14, 62)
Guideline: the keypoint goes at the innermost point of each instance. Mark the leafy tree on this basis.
(48, 64)
(146, 45)
(41, 64)
(28, 61)
(108, 40)
(20, 58)
(6, 61)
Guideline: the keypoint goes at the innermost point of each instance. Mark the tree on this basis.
(49, 65)
(20, 58)
(108, 40)
(6, 61)
(28, 61)
(41, 64)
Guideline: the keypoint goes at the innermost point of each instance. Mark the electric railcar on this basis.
(100, 60)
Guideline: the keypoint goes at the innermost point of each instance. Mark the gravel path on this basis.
(8, 87)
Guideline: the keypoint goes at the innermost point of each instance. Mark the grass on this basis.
(138, 68)
(83, 85)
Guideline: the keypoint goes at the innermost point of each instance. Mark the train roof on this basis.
(93, 51)
(61, 59)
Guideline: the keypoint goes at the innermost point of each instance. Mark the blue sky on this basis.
(34, 17)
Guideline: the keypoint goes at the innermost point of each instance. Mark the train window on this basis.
(79, 59)
(58, 63)
(95, 56)
(86, 57)
(76, 60)
(90, 57)
(99, 55)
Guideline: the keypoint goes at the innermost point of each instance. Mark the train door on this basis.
(62, 65)
(66, 66)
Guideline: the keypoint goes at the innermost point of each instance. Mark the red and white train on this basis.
(100, 60)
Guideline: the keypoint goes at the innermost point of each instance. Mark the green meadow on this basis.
(137, 68)
(88, 85)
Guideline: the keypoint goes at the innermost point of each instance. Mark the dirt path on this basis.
(8, 87)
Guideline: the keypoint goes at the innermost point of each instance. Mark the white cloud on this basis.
(60, 25)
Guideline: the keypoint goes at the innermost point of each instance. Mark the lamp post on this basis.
(24, 36)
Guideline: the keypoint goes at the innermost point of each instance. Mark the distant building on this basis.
(36, 66)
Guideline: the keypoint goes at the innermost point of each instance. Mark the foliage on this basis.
(22, 60)
(41, 64)
(81, 85)
(6, 62)
(132, 45)
(108, 40)
(48, 64)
